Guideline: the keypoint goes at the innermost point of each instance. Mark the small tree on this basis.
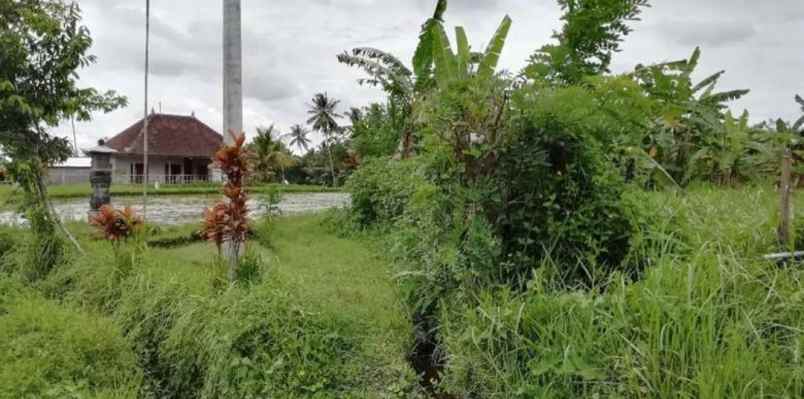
(226, 223)
(42, 48)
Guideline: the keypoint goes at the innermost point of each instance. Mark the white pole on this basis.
(232, 70)
(75, 137)
(145, 123)
(232, 99)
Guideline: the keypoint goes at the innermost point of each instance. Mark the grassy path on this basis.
(347, 277)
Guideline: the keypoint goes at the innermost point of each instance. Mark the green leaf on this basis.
(423, 57)
(492, 55)
(446, 63)
(464, 51)
(710, 81)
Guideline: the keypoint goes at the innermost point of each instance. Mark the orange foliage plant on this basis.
(116, 225)
(227, 221)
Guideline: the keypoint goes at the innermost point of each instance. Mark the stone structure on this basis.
(100, 176)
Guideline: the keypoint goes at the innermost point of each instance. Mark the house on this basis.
(180, 150)
(73, 170)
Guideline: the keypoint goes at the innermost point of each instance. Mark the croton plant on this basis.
(227, 220)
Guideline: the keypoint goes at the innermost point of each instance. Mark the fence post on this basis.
(786, 191)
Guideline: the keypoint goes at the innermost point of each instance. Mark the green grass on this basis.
(339, 292)
(709, 319)
(349, 277)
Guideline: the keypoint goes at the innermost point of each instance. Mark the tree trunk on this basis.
(331, 164)
(44, 202)
(232, 251)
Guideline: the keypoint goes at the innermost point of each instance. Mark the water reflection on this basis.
(189, 209)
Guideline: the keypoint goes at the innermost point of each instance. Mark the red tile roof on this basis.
(171, 135)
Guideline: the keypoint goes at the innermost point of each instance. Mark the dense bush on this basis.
(560, 199)
(255, 344)
(382, 188)
(53, 351)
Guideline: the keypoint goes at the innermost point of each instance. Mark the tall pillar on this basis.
(232, 70)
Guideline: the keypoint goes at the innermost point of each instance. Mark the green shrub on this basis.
(382, 188)
(51, 351)
(255, 343)
(560, 199)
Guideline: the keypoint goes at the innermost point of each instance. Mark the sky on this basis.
(290, 49)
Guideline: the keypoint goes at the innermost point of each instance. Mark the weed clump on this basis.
(54, 351)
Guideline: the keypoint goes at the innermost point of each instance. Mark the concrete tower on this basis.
(232, 70)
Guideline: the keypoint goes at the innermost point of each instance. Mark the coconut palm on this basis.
(323, 117)
(298, 137)
(270, 155)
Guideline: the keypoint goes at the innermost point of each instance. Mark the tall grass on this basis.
(709, 319)
(48, 350)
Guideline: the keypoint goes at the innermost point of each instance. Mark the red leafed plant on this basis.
(227, 221)
(116, 225)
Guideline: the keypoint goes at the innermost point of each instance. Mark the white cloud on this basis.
(290, 49)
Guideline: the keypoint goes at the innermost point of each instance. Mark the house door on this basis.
(188, 170)
(175, 173)
(137, 172)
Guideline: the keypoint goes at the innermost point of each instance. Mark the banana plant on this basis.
(687, 113)
(435, 63)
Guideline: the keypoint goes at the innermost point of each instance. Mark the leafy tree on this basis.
(43, 46)
(592, 33)
(377, 132)
(270, 156)
(323, 115)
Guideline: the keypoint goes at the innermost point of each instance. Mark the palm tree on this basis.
(323, 119)
(270, 154)
(298, 137)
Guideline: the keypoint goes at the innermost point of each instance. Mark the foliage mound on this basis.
(51, 351)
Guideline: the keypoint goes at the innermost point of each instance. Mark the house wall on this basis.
(67, 175)
(121, 167)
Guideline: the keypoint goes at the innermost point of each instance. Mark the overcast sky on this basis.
(289, 50)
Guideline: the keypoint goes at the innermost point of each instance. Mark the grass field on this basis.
(709, 319)
(344, 287)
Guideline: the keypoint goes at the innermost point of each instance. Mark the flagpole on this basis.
(145, 125)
